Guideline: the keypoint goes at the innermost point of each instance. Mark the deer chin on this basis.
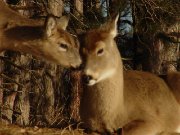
(76, 64)
(92, 82)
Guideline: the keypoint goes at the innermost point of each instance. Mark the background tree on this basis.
(152, 18)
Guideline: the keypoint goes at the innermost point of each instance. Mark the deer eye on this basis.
(63, 47)
(100, 52)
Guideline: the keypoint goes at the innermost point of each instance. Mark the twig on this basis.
(18, 67)
(24, 7)
(8, 78)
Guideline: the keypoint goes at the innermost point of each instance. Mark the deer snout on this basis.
(87, 78)
(76, 64)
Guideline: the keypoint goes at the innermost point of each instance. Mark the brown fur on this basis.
(9, 17)
(173, 80)
(40, 39)
(139, 102)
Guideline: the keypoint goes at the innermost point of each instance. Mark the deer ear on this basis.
(50, 26)
(62, 22)
(111, 26)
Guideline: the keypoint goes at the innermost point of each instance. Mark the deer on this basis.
(173, 81)
(139, 102)
(48, 40)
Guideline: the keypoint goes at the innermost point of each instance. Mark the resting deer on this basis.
(49, 40)
(139, 102)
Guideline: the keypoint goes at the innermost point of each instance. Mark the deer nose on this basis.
(82, 66)
(87, 78)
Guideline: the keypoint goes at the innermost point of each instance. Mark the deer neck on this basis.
(115, 87)
(106, 97)
(111, 85)
(24, 39)
(9, 17)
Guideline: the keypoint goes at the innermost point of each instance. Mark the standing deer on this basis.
(141, 103)
(49, 41)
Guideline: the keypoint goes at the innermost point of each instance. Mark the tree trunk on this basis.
(77, 7)
(50, 76)
(56, 7)
(1, 84)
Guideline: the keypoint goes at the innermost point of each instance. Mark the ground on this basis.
(16, 130)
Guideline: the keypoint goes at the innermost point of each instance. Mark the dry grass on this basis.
(16, 130)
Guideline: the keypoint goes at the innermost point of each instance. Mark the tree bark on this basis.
(56, 7)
